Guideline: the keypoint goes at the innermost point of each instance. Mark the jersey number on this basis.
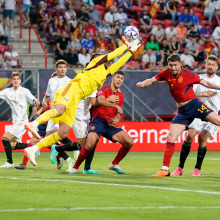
(203, 108)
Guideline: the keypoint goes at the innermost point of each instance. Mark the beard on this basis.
(210, 72)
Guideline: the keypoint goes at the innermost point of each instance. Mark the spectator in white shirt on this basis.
(11, 56)
(148, 57)
(187, 59)
(109, 16)
(121, 16)
(71, 16)
(210, 9)
(83, 57)
(170, 31)
(216, 34)
(158, 31)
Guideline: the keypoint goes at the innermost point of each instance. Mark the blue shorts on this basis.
(10, 13)
(101, 127)
(187, 113)
(42, 129)
(26, 8)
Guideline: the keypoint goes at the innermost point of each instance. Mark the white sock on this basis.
(35, 148)
(34, 123)
(165, 168)
(68, 159)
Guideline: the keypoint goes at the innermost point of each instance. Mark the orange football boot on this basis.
(162, 173)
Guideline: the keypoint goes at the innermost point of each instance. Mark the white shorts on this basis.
(80, 128)
(200, 125)
(18, 129)
(51, 126)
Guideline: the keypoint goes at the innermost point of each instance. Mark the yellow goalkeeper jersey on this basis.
(95, 73)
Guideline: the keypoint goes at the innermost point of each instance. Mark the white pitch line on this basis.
(107, 208)
(117, 184)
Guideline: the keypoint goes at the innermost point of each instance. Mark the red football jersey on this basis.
(181, 86)
(107, 112)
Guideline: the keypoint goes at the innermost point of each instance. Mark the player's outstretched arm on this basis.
(117, 52)
(117, 65)
(209, 84)
(208, 93)
(146, 82)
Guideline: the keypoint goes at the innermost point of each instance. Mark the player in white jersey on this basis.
(211, 98)
(17, 97)
(80, 128)
(57, 80)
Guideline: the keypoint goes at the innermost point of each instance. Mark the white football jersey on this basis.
(83, 108)
(212, 102)
(17, 99)
(54, 84)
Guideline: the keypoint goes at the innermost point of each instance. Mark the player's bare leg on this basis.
(47, 141)
(213, 118)
(175, 131)
(91, 141)
(127, 142)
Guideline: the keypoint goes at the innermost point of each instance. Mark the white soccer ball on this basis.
(131, 32)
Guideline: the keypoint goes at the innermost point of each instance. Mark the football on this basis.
(131, 32)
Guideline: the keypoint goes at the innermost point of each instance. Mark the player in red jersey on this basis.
(104, 122)
(180, 81)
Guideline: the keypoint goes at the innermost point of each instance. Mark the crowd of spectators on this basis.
(77, 28)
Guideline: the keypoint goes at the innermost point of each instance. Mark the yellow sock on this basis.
(46, 116)
(49, 140)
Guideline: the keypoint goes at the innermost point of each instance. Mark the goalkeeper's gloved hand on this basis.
(134, 45)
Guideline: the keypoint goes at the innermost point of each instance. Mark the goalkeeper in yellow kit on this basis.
(81, 87)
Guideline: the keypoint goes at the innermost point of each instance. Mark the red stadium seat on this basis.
(135, 23)
(145, 2)
(199, 14)
(144, 36)
(134, 64)
(157, 21)
(166, 23)
(99, 7)
(196, 9)
(136, 8)
(181, 8)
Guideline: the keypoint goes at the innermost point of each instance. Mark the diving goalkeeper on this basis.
(81, 87)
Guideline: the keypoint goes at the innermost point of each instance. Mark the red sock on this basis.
(82, 156)
(58, 156)
(168, 153)
(121, 154)
(25, 158)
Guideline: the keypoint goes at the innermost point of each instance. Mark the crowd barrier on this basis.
(148, 136)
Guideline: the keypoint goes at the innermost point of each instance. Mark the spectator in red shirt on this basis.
(91, 28)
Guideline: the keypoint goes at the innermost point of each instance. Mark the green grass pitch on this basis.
(43, 192)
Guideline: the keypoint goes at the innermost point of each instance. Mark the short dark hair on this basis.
(60, 62)
(94, 55)
(173, 58)
(16, 73)
(119, 72)
(213, 58)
